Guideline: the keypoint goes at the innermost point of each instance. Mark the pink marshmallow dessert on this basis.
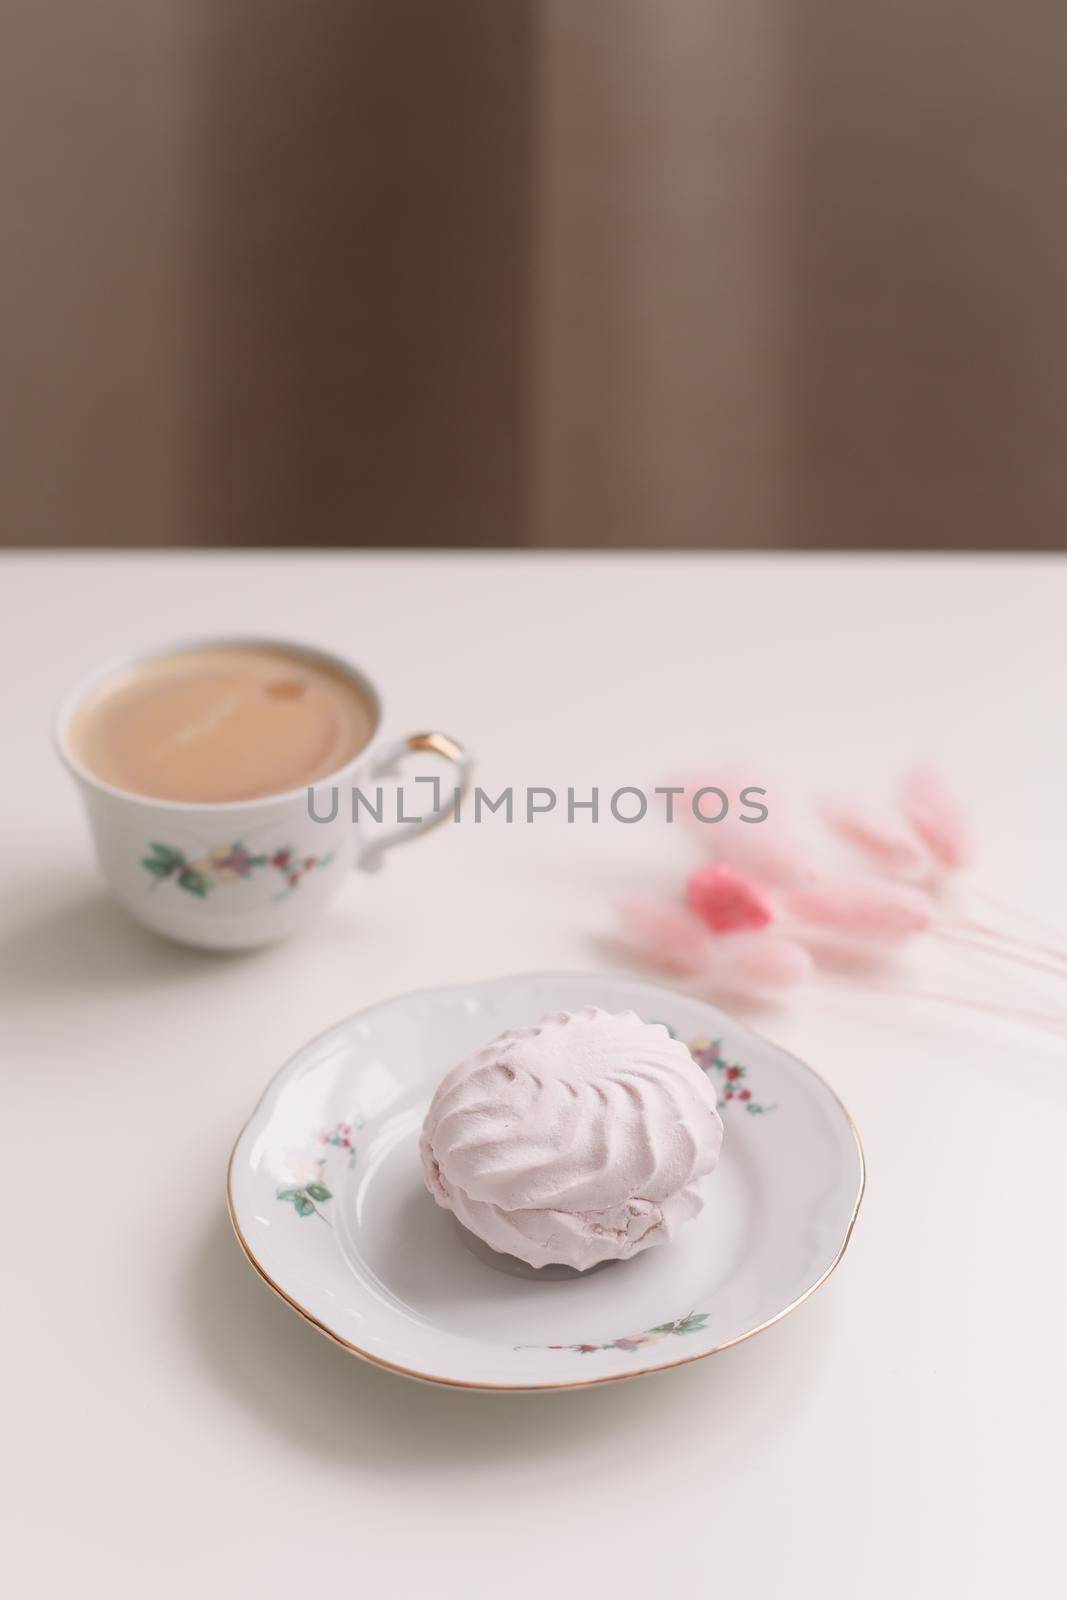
(579, 1141)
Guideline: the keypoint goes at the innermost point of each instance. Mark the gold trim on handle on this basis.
(439, 743)
(434, 743)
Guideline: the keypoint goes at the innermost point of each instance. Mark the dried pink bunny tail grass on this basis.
(762, 850)
(889, 912)
(748, 965)
(882, 844)
(727, 901)
(936, 818)
(771, 858)
(664, 935)
(756, 965)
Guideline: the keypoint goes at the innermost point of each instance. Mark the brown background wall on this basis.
(582, 272)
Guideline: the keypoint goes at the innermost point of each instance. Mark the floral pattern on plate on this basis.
(637, 1341)
(305, 1170)
(727, 1076)
(340, 1136)
(308, 1189)
(792, 1183)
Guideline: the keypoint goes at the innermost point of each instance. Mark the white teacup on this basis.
(236, 875)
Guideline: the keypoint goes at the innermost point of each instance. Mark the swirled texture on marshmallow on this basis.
(580, 1140)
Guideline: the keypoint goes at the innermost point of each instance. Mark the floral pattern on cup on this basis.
(638, 1341)
(226, 864)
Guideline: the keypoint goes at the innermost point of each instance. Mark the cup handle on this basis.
(388, 764)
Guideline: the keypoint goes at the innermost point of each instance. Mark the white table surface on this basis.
(171, 1428)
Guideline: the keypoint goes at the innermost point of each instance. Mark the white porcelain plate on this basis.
(327, 1199)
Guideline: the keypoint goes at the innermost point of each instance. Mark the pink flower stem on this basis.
(1001, 937)
(1013, 913)
(1056, 1021)
(945, 931)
